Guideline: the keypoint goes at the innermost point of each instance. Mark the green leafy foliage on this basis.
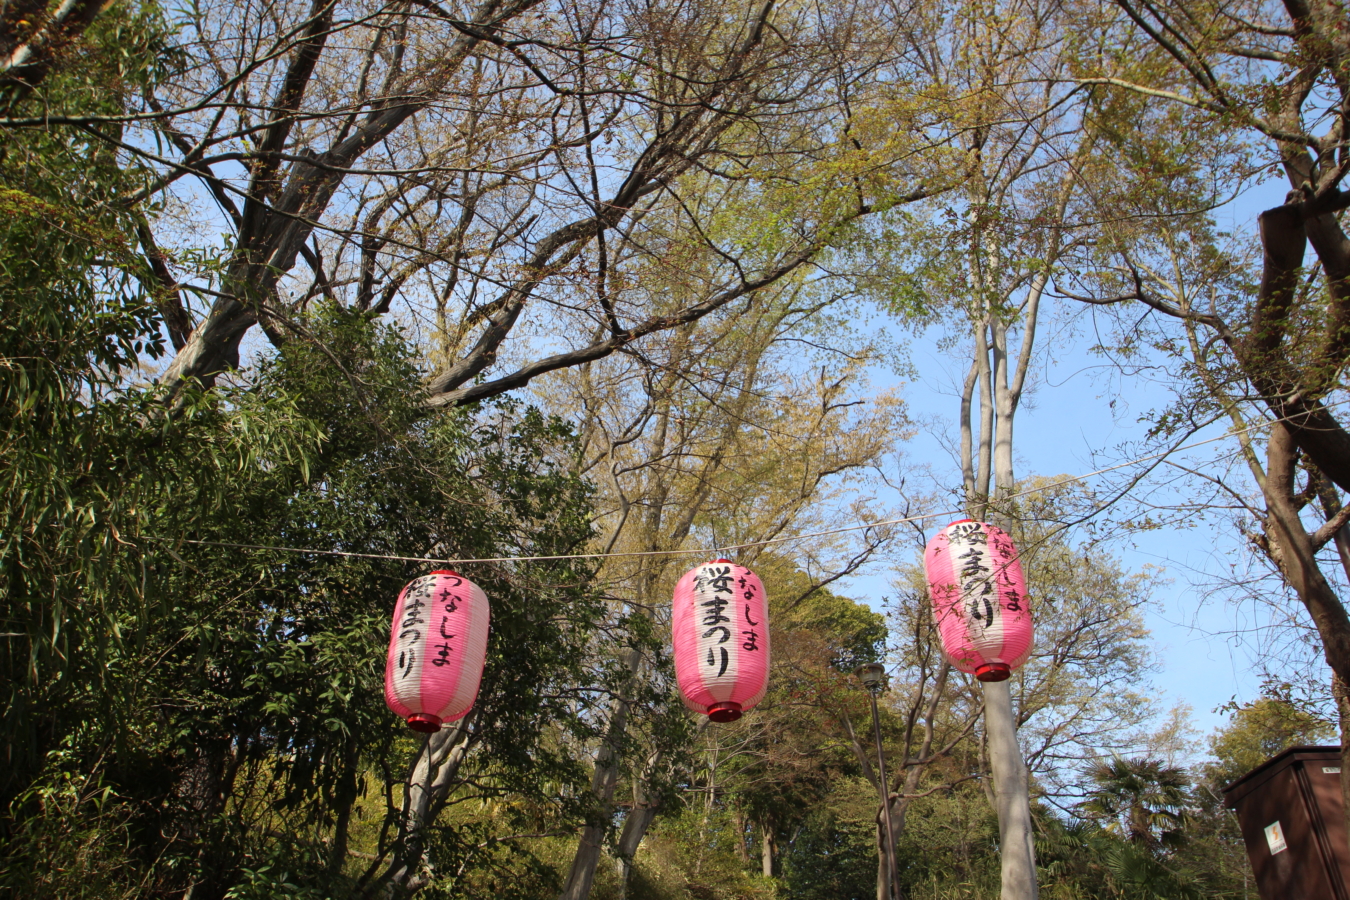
(82, 470)
(832, 853)
(1258, 731)
(238, 693)
(1143, 799)
(693, 854)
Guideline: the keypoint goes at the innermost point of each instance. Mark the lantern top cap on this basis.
(873, 675)
(721, 559)
(446, 572)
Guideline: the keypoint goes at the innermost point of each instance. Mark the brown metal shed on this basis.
(1293, 824)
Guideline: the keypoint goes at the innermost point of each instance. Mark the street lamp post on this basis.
(873, 676)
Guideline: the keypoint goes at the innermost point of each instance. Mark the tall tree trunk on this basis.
(643, 812)
(742, 852)
(635, 826)
(1284, 538)
(1011, 791)
(1293, 550)
(433, 773)
(344, 801)
(665, 525)
(1011, 785)
(898, 805)
(884, 881)
(605, 778)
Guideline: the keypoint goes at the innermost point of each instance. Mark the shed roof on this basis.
(1267, 769)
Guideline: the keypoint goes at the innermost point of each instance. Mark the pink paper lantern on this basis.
(979, 599)
(720, 627)
(436, 650)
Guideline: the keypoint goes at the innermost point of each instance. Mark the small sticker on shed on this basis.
(1331, 770)
(1275, 838)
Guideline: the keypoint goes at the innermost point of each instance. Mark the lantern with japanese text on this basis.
(720, 626)
(436, 650)
(979, 599)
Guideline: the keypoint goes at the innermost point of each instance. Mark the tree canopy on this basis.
(304, 297)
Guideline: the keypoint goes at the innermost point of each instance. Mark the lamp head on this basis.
(873, 676)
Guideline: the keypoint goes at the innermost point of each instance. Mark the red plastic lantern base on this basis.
(427, 723)
(724, 712)
(992, 672)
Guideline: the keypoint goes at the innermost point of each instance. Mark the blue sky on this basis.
(1065, 432)
(1079, 418)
